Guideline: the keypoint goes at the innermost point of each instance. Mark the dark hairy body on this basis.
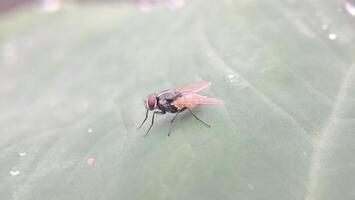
(165, 99)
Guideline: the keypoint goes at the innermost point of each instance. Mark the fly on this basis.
(176, 101)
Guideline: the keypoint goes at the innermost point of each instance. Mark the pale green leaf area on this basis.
(72, 85)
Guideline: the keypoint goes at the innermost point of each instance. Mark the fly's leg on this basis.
(151, 125)
(198, 118)
(145, 119)
(172, 121)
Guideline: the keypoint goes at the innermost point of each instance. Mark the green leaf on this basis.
(72, 84)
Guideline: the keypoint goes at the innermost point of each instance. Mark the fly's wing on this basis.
(193, 100)
(193, 88)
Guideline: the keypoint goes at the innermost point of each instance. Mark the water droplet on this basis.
(350, 7)
(90, 130)
(332, 36)
(90, 161)
(22, 154)
(251, 186)
(51, 5)
(231, 76)
(173, 4)
(145, 6)
(325, 26)
(14, 172)
(9, 52)
(237, 80)
(209, 54)
(85, 105)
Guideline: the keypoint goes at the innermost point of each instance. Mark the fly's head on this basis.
(151, 102)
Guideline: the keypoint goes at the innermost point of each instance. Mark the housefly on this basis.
(176, 101)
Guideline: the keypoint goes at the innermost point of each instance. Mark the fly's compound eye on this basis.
(151, 102)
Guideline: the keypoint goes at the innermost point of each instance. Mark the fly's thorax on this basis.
(165, 100)
(169, 95)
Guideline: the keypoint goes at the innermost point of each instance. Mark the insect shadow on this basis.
(182, 115)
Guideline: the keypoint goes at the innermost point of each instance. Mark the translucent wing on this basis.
(193, 100)
(193, 88)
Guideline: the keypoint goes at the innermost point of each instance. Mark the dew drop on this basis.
(85, 104)
(14, 172)
(9, 52)
(209, 54)
(22, 154)
(350, 7)
(145, 6)
(251, 186)
(90, 130)
(174, 4)
(332, 36)
(231, 76)
(237, 80)
(51, 5)
(325, 26)
(90, 161)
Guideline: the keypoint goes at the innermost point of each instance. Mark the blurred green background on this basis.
(74, 74)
